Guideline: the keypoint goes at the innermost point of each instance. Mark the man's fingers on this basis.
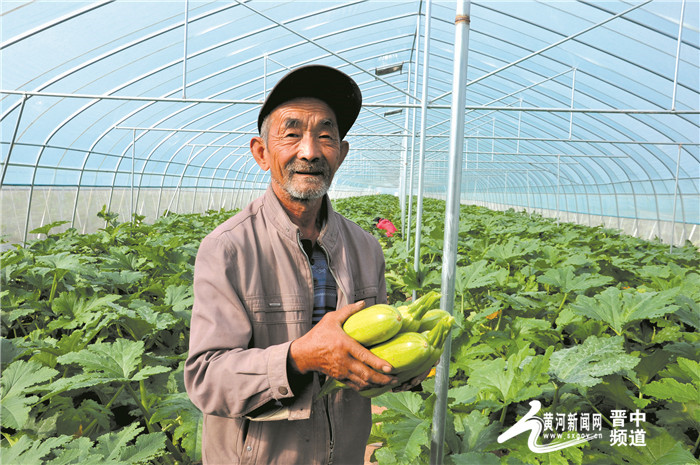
(366, 357)
(359, 381)
(343, 313)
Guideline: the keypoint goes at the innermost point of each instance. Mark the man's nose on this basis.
(309, 148)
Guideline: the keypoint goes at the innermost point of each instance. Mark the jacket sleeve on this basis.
(223, 376)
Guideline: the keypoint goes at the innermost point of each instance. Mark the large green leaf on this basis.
(16, 382)
(513, 249)
(517, 379)
(47, 227)
(142, 320)
(587, 363)
(60, 261)
(28, 452)
(105, 363)
(76, 452)
(126, 446)
(672, 389)
(75, 311)
(535, 330)
(8, 351)
(620, 308)
(567, 281)
(477, 431)
(651, 364)
(474, 276)
(120, 280)
(406, 426)
(179, 297)
(116, 448)
(123, 259)
(178, 408)
(146, 448)
(669, 388)
(118, 359)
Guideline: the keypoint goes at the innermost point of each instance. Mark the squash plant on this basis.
(94, 337)
(585, 321)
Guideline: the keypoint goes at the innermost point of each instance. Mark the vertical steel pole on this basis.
(404, 159)
(675, 196)
(558, 183)
(413, 139)
(133, 157)
(454, 188)
(184, 53)
(678, 56)
(520, 117)
(423, 125)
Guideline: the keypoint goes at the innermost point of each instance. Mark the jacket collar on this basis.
(279, 218)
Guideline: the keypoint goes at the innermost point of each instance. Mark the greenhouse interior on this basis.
(539, 159)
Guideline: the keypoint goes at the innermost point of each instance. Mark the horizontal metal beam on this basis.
(128, 97)
(206, 131)
(622, 111)
(539, 139)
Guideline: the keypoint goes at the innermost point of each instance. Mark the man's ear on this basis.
(344, 149)
(257, 148)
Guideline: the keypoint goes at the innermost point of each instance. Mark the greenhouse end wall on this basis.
(57, 204)
(644, 229)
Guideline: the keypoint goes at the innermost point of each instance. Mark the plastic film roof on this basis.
(587, 106)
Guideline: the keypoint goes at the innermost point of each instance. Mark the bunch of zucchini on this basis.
(409, 337)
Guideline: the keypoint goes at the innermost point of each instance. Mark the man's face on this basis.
(303, 149)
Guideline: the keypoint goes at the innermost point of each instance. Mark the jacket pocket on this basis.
(276, 309)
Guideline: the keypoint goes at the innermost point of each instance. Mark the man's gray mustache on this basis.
(309, 168)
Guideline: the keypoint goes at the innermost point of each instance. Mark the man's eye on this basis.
(291, 134)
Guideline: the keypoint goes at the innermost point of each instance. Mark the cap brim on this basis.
(338, 90)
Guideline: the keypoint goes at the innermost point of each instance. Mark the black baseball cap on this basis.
(335, 88)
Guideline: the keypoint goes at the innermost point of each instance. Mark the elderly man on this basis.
(273, 285)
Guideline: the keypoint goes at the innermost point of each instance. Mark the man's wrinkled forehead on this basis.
(288, 113)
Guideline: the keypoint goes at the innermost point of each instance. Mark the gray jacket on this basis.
(253, 295)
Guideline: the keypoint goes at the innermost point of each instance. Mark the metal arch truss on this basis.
(389, 152)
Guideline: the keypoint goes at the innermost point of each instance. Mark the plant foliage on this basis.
(585, 320)
(94, 337)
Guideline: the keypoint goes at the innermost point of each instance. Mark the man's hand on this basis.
(329, 350)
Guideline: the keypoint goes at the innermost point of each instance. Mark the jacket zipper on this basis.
(327, 401)
(329, 418)
(329, 410)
